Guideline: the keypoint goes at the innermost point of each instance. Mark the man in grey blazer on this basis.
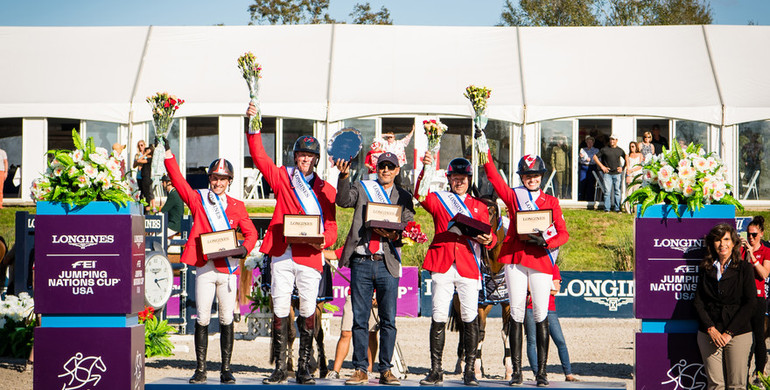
(373, 256)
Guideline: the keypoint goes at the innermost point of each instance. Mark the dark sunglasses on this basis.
(389, 167)
(753, 234)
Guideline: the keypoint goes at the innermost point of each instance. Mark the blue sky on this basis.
(234, 12)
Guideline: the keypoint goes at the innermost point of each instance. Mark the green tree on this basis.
(605, 12)
(362, 14)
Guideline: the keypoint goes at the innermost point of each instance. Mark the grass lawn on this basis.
(598, 241)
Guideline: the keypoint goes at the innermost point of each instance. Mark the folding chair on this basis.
(549, 184)
(751, 186)
(598, 187)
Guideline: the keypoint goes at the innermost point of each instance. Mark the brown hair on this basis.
(716, 234)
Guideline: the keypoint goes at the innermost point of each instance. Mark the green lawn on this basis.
(598, 241)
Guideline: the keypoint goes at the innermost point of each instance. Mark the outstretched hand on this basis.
(343, 166)
(252, 110)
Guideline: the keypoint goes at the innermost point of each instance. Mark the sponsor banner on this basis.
(596, 294)
(668, 252)
(76, 358)
(668, 361)
(86, 264)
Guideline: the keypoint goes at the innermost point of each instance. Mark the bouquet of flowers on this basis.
(86, 174)
(156, 337)
(164, 107)
(17, 321)
(434, 129)
(251, 71)
(683, 176)
(413, 234)
(478, 97)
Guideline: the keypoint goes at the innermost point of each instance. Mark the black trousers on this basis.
(758, 332)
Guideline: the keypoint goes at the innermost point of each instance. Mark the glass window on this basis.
(659, 130)
(10, 142)
(600, 130)
(104, 133)
(293, 129)
(754, 178)
(358, 169)
(60, 133)
(556, 151)
(692, 132)
(402, 142)
(498, 136)
(202, 149)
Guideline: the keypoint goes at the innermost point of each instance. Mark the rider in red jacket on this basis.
(454, 261)
(216, 276)
(529, 259)
(296, 263)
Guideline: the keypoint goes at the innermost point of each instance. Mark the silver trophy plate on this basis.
(344, 144)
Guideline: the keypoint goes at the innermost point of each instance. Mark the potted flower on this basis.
(17, 321)
(156, 334)
(689, 177)
(261, 315)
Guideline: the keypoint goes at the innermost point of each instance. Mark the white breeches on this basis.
(208, 282)
(517, 278)
(284, 274)
(443, 288)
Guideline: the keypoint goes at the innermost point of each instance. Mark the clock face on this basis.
(158, 280)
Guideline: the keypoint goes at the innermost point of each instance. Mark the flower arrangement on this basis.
(683, 176)
(413, 234)
(259, 300)
(164, 107)
(434, 129)
(86, 174)
(478, 97)
(156, 334)
(17, 323)
(251, 71)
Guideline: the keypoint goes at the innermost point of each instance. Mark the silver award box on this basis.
(528, 222)
(302, 229)
(216, 245)
(344, 144)
(383, 216)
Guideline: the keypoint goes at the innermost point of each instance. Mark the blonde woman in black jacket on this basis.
(724, 302)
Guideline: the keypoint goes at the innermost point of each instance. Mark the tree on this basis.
(311, 12)
(362, 14)
(605, 12)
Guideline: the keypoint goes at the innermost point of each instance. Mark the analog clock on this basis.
(158, 280)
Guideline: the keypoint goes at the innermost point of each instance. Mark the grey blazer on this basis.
(353, 195)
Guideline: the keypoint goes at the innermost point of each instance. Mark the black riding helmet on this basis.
(222, 167)
(459, 165)
(531, 164)
(308, 143)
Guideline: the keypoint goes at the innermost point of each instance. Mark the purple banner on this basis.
(408, 291)
(76, 358)
(668, 252)
(668, 361)
(89, 264)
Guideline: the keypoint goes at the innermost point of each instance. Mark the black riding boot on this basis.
(201, 345)
(542, 340)
(437, 337)
(280, 341)
(226, 338)
(306, 327)
(471, 341)
(515, 332)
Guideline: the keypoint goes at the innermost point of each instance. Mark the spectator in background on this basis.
(143, 165)
(371, 159)
(751, 154)
(398, 147)
(658, 140)
(724, 303)
(3, 173)
(761, 263)
(586, 180)
(611, 160)
(174, 207)
(635, 160)
(646, 147)
(554, 328)
(560, 165)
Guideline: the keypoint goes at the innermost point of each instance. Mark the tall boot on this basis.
(280, 341)
(471, 341)
(437, 337)
(542, 341)
(306, 327)
(226, 338)
(516, 330)
(201, 345)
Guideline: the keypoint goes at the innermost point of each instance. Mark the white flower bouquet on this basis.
(688, 176)
(87, 174)
(434, 129)
(16, 325)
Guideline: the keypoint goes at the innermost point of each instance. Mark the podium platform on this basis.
(339, 384)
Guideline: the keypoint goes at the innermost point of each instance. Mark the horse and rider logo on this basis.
(686, 376)
(80, 371)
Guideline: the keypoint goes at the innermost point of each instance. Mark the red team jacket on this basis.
(274, 243)
(236, 214)
(447, 247)
(516, 251)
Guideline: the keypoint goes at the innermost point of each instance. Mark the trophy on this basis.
(535, 221)
(467, 226)
(302, 229)
(344, 145)
(383, 216)
(219, 244)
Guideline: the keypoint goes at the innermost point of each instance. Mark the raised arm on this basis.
(347, 193)
(185, 191)
(503, 191)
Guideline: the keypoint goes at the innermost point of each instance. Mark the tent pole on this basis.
(329, 95)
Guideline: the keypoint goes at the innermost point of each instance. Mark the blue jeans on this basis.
(366, 275)
(612, 191)
(554, 328)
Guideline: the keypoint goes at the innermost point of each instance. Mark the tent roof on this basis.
(334, 72)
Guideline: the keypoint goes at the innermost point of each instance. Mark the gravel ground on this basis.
(600, 350)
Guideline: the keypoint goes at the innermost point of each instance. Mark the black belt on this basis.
(374, 257)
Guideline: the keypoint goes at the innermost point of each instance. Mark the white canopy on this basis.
(711, 74)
